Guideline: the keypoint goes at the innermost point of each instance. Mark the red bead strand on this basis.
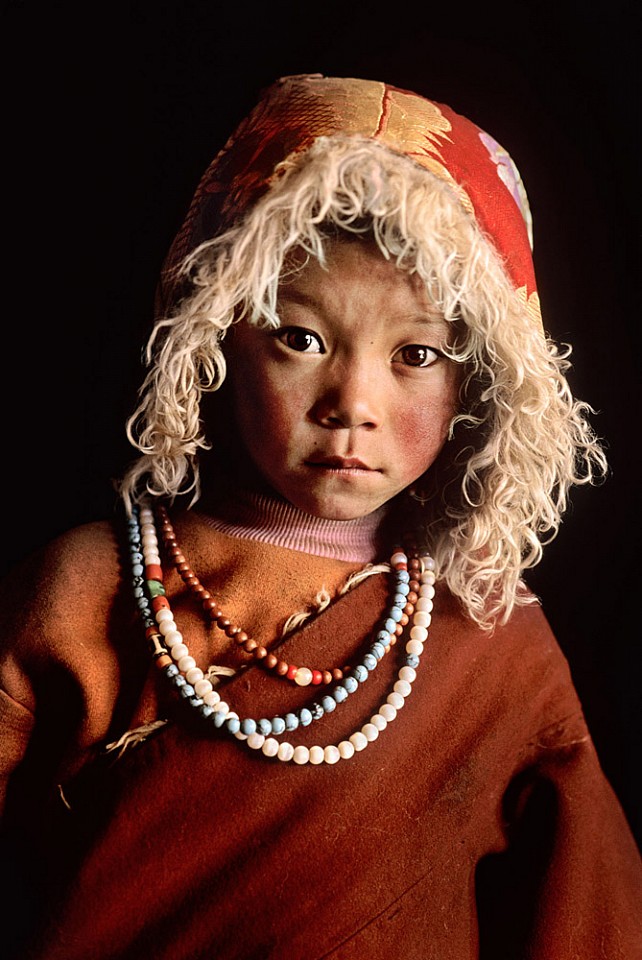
(250, 646)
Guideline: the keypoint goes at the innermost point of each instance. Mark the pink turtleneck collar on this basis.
(256, 516)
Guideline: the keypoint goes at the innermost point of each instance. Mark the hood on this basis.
(293, 112)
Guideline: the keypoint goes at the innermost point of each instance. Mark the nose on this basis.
(351, 397)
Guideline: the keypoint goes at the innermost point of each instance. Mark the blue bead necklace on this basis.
(174, 660)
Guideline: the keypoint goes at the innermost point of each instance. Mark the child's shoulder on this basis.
(69, 562)
(519, 654)
(65, 588)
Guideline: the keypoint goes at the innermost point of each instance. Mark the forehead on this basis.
(355, 268)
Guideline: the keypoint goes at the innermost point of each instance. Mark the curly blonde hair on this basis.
(499, 488)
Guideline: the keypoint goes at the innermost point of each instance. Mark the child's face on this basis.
(349, 401)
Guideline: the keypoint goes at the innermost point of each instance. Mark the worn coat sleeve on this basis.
(569, 884)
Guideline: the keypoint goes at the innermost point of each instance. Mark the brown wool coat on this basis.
(479, 824)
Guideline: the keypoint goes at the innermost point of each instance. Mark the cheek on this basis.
(419, 443)
(421, 433)
(267, 408)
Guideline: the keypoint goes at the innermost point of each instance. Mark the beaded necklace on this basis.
(172, 657)
(405, 599)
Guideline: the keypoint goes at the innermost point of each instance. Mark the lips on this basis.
(339, 463)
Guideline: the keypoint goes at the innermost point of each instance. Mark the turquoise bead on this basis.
(390, 625)
(328, 703)
(340, 693)
(264, 726)
(278, 725)
(378, 650)
(369, 661)
(233, 725)
(350, 684)
(155, 588)
(248, 726)
(305, 717)
(187, 690)
(360, 673)
(291, 721)
(219, 718)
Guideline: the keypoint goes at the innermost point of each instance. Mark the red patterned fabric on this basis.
(295, 111)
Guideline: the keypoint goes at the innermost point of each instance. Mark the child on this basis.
(351, 414)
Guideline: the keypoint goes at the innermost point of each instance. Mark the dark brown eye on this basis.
(416, 355)
(300, 339)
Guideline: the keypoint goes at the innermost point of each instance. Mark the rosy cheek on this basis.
(420, 437)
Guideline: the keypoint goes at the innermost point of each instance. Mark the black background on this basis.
(113, 112)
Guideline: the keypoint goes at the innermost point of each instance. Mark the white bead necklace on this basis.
(173, 657)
